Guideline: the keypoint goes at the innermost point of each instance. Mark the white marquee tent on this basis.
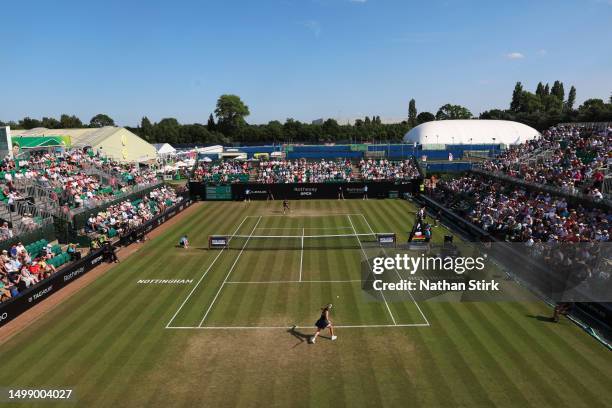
(472, 131)
(164, 149)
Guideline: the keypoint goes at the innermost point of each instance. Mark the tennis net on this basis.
(298, 242)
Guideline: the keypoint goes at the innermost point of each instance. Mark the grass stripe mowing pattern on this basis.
(108, 341)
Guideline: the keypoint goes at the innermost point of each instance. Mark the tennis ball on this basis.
(338, 297)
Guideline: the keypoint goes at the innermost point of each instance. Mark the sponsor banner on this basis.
(386, 239)
(300, 191)
(42, 290)
(218, 241)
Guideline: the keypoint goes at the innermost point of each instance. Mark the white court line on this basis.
(368, 261)
(292, 281)
(302, 255)
(305, 215)
(398, 274)
(299, 228)
(228, 274)
(202, 277)
(358, 326)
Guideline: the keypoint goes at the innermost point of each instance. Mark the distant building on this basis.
(352, 120)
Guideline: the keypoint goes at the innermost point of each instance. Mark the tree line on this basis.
(540, 109)
(65, 122)
(548, 105)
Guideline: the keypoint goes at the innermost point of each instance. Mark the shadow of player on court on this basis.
(301, 336)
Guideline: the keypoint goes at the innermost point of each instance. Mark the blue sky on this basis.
(303, 59)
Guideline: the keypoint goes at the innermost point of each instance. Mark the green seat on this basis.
(56, 249)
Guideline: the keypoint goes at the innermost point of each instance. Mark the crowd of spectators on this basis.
(128, 215)
(515, 214)
(66, 176)
(386, 170)
(573, 159)
(19, 270)
(224, 172)
(303, 171)
(280, 171)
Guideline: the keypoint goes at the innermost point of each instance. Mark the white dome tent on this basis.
(472, 131)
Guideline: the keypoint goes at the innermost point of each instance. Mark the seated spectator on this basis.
(5, 231)
(27, 277)
(72, 252)
(48, 252)
(5, 292)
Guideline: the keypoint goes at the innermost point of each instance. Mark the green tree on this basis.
(425, 117)
(211, 125)
(547, 90)
(497, 114)
(29, 123)
(595, 110)
(331, 129)
(167, 130)
(540, 90)
(291, 129)
(70, 122)
(101, 120)
(50, 123)
(273, 131)
(552, 103)
(412, 113)
(516, 97)
(450, 111)
(147, 129)
(571, 99)
(558, 91)
(531, 103)
(230, 113)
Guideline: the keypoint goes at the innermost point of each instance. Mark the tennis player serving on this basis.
(324, 323)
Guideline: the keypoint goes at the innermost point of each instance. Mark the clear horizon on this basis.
(295, 59)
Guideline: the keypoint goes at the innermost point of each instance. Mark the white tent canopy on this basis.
(210, 149)
(472, 131)
(164, 148)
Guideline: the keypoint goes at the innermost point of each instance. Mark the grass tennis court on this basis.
(285, 267)
(222, 340)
